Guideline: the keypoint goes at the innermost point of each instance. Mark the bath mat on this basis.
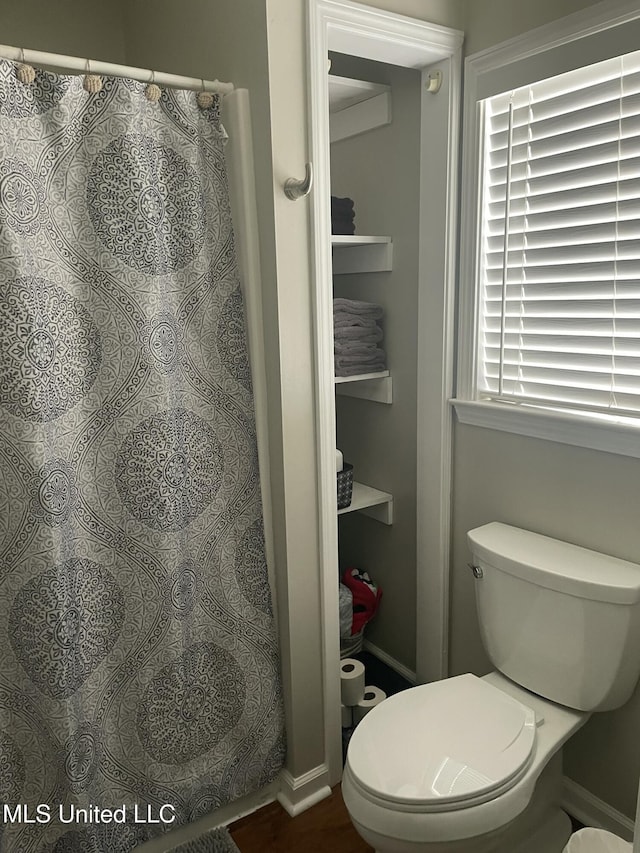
(214, 841)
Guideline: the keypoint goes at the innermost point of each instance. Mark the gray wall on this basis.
(582, 496)
(70, 27)
(488, 22)
(378, 170)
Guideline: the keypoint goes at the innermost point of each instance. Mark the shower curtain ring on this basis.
(152, 91)
(92, 82)
(204, 99)
(24, 72)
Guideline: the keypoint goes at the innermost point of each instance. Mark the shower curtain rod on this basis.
(75, 63)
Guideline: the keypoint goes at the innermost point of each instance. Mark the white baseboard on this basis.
(398, 667)
(299, 793)
(592, 811)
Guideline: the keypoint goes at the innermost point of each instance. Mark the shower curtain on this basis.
(139, 672)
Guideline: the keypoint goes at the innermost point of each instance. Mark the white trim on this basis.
(318, 48)
(434, 470)
(392, 663)
(610, 436)
(592, 811)
(299, 793)
(371, 33)
(77, 63)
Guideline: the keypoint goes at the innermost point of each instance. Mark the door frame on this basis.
(363, 31)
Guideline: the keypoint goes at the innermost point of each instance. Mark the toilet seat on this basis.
(442, 746)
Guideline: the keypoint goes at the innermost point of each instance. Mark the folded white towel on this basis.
(376, 357)
(342, 319)
(365, 334)
(355, 306)
(351, 365)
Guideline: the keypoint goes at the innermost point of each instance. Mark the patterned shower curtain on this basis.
(139, 672)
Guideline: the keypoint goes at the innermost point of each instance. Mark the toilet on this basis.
(474, 765)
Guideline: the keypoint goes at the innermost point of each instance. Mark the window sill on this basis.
(597, 432)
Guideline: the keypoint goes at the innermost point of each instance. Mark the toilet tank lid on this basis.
(556, 565)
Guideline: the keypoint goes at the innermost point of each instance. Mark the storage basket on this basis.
(351, 645)
(345, 486)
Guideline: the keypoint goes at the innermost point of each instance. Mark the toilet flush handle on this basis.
(477, 571)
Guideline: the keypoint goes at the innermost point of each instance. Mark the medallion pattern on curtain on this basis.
(139, 662)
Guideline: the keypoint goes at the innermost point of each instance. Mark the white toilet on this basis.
(473, 765)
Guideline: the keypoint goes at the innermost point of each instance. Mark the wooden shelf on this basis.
(371, 502)
(356, 106)
(361, 254)
(367, 386)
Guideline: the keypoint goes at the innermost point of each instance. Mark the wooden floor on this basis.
(324, 827)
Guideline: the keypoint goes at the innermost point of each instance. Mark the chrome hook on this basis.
(295, 189)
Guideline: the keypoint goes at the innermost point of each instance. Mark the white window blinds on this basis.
(559, 256)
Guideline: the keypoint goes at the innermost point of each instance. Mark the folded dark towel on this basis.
(361, 349)
(341, 206)
(342, 227)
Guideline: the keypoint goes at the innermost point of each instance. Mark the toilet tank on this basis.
(560, 620)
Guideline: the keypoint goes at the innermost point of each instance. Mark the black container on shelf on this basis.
(345, 486)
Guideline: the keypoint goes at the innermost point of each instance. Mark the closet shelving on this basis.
(361, 253)
(357, 106)
(371, 502)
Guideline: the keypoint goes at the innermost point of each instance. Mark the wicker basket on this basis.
(345, 485)
(351, 645)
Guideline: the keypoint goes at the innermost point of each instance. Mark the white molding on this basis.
(318, 49)
(391, 662)
(592, 811)
(299, 793)
(371, 33)
(374, 34)
(435, 428)
(607, 435)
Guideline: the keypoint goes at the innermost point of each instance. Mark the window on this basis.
(558, 321)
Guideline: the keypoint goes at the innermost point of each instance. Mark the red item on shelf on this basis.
(366, 597)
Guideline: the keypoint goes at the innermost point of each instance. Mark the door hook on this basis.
(295, 189)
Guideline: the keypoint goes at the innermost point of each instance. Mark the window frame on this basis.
(599, 32)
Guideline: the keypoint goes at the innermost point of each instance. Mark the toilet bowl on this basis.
(411, 788)
(473, 765)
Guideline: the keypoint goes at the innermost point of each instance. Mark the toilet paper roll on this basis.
(339, 461)
(347, 717)
(351, 681)
(372, 696)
